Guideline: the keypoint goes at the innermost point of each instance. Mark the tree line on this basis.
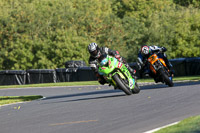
(44, 34)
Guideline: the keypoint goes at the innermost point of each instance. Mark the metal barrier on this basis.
(13, 77)
(182, 67)
(36, 76)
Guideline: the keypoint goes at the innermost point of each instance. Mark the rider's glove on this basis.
(118, 57)
(139, 66)
(163, 49)
(134, 71)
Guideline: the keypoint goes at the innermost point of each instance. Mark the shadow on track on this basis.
(160, 86)
(91, 98)
(114, 93)
(87, 94)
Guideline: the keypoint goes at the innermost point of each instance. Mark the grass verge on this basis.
(193, 78)
(15, 99)
(189, 125)
(52, 84)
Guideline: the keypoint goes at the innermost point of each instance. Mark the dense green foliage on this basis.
(40, 34)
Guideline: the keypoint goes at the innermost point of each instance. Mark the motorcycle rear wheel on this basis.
(121, 85)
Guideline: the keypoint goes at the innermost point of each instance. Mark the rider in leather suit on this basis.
(143, 55)
(96, 51)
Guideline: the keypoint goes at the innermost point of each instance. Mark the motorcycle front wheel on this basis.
(136, 89)
(121, 85)
(166, 78)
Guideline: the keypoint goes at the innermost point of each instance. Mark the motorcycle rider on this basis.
(95, 53)
(143, 55)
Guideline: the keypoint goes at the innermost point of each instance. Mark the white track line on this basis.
(151, 131)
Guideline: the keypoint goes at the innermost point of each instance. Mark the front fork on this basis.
(130, 81)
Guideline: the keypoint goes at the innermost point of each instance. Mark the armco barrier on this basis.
(35, 76)
(186, 66)
(13, 77)
(192, 66)
(182, 67)
(179, 66)
(66, 74)
(86, 74)
(75, 74)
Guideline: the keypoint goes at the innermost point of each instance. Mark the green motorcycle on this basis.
(117, 74)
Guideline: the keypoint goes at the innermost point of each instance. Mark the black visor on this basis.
(94, 53)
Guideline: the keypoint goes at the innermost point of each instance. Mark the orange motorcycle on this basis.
(160, 70)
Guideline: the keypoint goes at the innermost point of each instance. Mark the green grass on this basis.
(15, 99)
(51, 84)
(187, 78)
(189, 125)
(194, 78)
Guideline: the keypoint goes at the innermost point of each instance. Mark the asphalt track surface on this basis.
(99, 109)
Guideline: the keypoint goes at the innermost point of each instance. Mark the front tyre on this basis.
(120, 84)
(166, 78)
(136, 89)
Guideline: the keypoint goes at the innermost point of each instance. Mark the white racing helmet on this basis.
(94, 50)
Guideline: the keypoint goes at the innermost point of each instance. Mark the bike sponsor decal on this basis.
(109, 62)
(131, 83)
(119, 65)
(103, 68)
(115, 61)
(152, 58)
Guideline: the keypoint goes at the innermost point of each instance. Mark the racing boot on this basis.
(146, 73)
(132, 71)
(101, 79)
(169, 66)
